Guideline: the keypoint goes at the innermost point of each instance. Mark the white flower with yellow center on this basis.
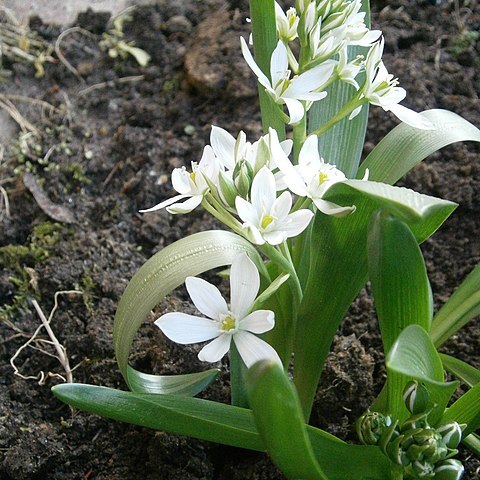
(381, 89)
(223, 323)
(290, 91)
(287, 23)
(268, 218)
(312, 177)
(191, 186)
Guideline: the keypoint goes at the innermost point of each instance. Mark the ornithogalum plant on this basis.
(309, 226)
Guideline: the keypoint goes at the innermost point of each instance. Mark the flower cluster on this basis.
(423, 451)
(326, 30)
(240, 183)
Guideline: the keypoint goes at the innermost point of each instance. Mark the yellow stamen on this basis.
(266, 221)
(322, 177)
(228, 323)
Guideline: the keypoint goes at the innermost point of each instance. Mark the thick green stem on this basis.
(347, 109)
(237, 385)
(299, 136)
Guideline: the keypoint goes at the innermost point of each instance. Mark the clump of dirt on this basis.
(105, 149)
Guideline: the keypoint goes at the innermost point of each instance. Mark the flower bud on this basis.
(420, 469)
(426, 445)
(449, 470)
(416, 421)
(416, 397)
(371, 426)
(227, 189)
(451, 434)
(242, 177)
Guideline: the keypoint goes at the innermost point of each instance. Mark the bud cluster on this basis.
(423, 451)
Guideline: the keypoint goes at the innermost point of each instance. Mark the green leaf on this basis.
(414, 357)
(398, 277)
(279, 420)
(338, 265)
(264, 31)
(161, 274)
(466, 410)
(342, 145)
(405, 146)
(472, 441)
(220, 423)
(463, 371)
(461, 307)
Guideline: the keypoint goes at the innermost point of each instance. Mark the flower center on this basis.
(322, 177)
(266, 221)
(228, 323)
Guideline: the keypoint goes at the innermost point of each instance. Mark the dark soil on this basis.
(115, 146)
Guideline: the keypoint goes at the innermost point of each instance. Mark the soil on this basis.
(118, 132)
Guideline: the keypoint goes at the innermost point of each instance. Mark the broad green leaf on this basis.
(466, 410)
(220, 423)
(338, 265)
(405, 146)
(398, 277)
(342, 145)
(463, 371)
(279, 420)
(161, 274)
(461, 307)
(414, 357)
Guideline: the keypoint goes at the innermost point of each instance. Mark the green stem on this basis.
(396, 472)
(347, 109)
(219, 212)
(237, 385)
(299, 136)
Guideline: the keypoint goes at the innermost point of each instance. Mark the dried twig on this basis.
(4, 204)
(12, 110)
(111, 83)
(37, 343)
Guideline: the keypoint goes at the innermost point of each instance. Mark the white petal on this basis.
(185, 329)
(279, 64)
(246, 211)
(414, 119)
(260, 321)
(187, 206)
(253, 234)
(214, 351)
(287, 146)
(295, 108)
(281, 207)
(297, 222)
(223, 145)
(291, 177)
(262, 78)
(264, 191)
(330, 208)
(206, 297)
(181, 181)
(275, 237)
(310, 80)
(253, 349)
(355, 112)
(309, 156)
(244, 285)
(311, 96)
(164, 204)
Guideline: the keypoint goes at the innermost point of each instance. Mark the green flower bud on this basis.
(416, 397)
(427, 446)
(420, 470)
(371, 426)
(416, 421)
(449, 470)
(227, 189)
(451, 434)
(242, 177)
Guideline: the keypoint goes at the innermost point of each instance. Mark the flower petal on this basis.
(275, 237)
(244, 285)
(310, 80)
(262, 78)
(414, 119)
(297, 222)
(181, 181)
(223, 145)
(252, 349)
(186, 329)
(295, 108)
(187, 206)
(206, 297)
(215, 350)
(281, 207)
(279, 64)
(330, 208)
(264, 191)
(246, 211)
(164, 204)
(260, 321)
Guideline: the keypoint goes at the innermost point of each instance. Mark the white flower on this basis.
(290, 91)
(268, 218)
(312, 177)
(381, 89)
(223, 323)
(347, 71)
(286, 23)
(191, 186)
